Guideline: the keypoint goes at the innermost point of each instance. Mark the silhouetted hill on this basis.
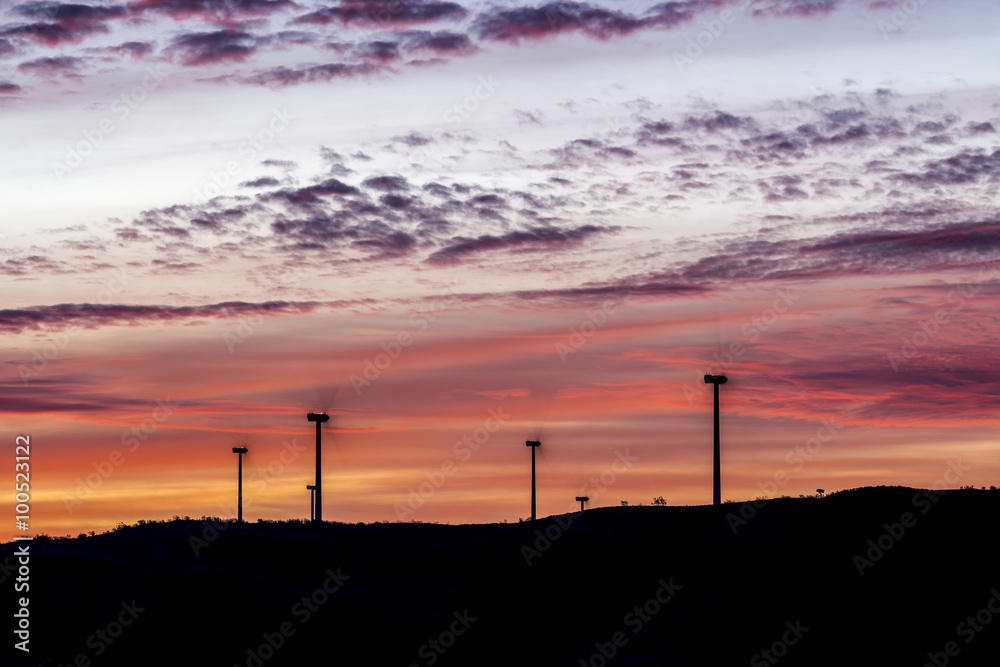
(672, 585)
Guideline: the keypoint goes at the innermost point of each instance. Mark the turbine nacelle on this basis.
(716, 379)
(318, 417)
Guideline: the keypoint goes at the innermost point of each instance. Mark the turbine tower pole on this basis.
(239, 451)
(318, 512)
(715, 381)
(533, 444)
(717, 468)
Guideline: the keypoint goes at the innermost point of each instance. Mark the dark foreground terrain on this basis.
(874, 576)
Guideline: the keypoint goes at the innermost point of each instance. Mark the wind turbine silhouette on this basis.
(715, 381)
(534, 439)
(242, 441)
(240, 451)
(319, 418)
(312, 500)
(534, 444)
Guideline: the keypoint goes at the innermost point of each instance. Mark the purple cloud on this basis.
(381, 13)
(530, 240)
(280, 77)
(59, 66)
(205, 48)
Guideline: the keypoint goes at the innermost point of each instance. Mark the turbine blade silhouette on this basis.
(541, 435)
(242, 439)
(321, 397)
(540, 431)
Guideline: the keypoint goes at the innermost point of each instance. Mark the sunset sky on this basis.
(219, 215)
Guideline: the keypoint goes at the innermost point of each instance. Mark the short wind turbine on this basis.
(534, 444)
(312, 500)
(239, 451)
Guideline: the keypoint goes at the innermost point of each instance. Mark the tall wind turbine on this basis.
(715, 381)
(240, 451)
(319, 418)
(582, 500)
(534, 444)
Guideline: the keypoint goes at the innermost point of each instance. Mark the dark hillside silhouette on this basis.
(649, 585)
